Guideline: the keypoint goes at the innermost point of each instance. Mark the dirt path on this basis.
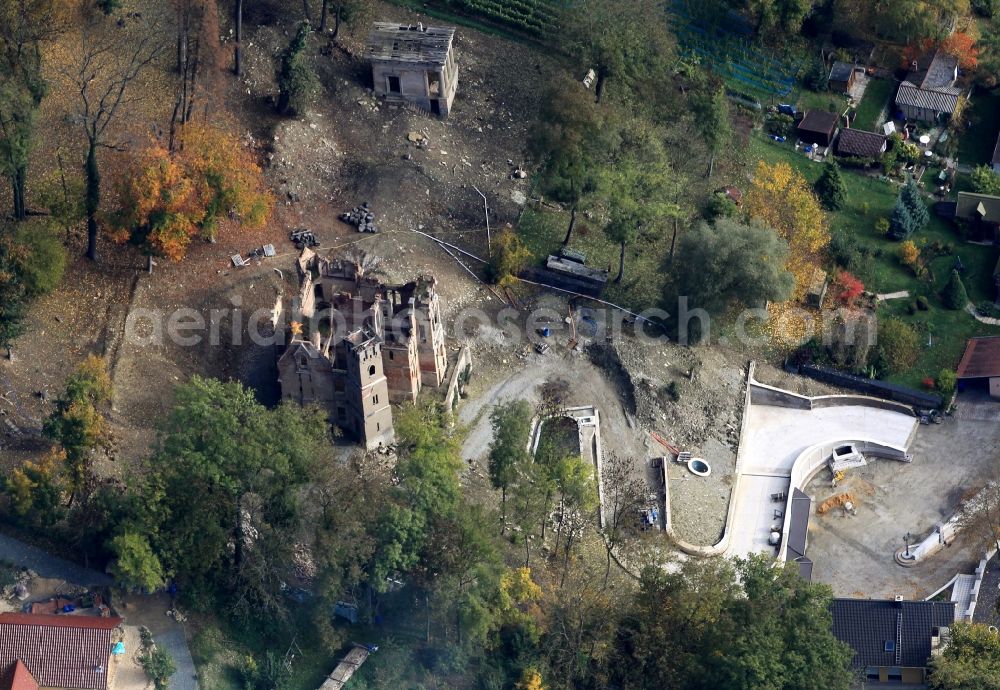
(49, 566)
(589, 386)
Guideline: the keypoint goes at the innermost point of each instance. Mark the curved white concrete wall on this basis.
(805, 465)
(813, 459)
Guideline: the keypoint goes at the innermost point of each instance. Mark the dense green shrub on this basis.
(46, 263)
(158, 665)
(922, 303)
(898, 345)
(816, 76)
(780, 124)
(830, 187)
(986, 8)
(954, 295)
(988, 309)
(946, 381)
(297, 81)
(109, 7)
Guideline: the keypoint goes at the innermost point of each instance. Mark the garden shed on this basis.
(841, 77)
(929, 94)
(982, 214)
(818, 127)
(414, 63)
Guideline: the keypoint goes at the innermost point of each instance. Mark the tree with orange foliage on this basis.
(962, 46)
(169, 198)
(958, 44)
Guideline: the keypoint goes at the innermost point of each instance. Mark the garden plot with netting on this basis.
(725, 42)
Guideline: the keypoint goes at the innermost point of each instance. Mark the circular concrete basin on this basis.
(699, 467)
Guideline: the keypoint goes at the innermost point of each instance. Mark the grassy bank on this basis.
(877, 94)
(944, 331)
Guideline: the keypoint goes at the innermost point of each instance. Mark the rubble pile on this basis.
(17, 589)
(360, 217)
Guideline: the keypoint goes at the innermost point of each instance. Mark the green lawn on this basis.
(978, 142)
(877, 94)
(868, 199)
(821, 100)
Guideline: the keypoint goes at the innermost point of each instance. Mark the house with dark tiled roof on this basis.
(857, 143)
(64, 652)
(893, 641)
(929, 94)
(987, 609)
(818, 127)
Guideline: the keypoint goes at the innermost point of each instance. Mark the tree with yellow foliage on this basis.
(35, 489)
(510, 257)
(531, 679)
(169, 198)
(909, 255)
(782, 199)
(77, 424)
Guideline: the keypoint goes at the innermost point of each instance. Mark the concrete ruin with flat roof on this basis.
(414, 63)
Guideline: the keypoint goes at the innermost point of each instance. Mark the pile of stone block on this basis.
(361, 217)
(303, 238)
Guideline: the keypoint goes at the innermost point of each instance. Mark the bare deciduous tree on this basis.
(109, 62)
(198, 59)
(624, 497)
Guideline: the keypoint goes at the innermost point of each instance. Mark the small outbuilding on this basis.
(734, 194)
(818, 127)
(841, 77)
(980, 365)
(414, 63)
(858, 143)
(982, 214)
(995, 161)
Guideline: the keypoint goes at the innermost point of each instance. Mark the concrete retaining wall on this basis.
(464, 360)
(775, 397)
(806, 466)
(762, 394)
(822, 401)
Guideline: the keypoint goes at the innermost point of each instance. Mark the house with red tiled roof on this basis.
(65, 652)
(980, 365)
(18, 677)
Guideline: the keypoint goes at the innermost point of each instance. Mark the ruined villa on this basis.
(358, 345)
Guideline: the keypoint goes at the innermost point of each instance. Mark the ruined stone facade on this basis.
(361, 345)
